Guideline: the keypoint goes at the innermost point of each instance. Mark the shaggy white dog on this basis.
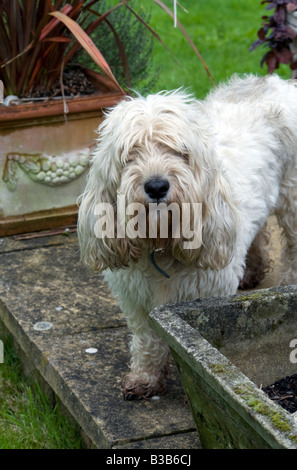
(235, 152)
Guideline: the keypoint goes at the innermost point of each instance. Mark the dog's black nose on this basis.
(156, 188)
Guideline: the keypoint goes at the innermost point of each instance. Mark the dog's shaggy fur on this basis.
(235, 152)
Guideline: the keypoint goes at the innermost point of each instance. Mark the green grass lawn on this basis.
(222, 32)
(28, 420)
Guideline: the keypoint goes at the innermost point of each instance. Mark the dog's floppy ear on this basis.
(93, 251)
(100, 251)
(220, 222)
(101, 188)
(101, 192)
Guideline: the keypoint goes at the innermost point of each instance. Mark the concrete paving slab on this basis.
(51, 285)
(90, 385)
(42, 281)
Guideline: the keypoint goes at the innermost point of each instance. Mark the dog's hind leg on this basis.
(258, 262)
(149, 363)
(287, 218)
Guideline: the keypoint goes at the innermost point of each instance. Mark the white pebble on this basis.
(42, 326)
(91, 350)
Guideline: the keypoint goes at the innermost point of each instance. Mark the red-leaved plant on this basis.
(277, 35)
(36, 41)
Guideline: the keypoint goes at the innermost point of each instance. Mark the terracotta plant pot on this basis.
(44, 157)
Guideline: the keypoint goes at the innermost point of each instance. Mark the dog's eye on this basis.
(183, 154)
(133, 154)
(130, 158)
(185, 157)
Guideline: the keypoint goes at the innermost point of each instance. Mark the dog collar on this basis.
(155, 264)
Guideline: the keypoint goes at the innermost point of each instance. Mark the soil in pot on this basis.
(284, 392)
(75, 83)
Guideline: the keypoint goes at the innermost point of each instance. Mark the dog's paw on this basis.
(247, 284)
(136, 387)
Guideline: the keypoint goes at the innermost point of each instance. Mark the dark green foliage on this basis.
(277, 35)
(126, 44)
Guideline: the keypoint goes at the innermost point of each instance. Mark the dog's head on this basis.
(155, 152)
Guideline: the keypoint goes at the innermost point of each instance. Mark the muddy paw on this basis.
(246, 284)
(137, 388)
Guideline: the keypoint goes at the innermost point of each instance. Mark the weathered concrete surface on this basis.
(254, 330)
(226, 349)
(42, 281)
(230, 411)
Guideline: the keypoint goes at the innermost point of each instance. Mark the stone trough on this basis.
(226, 350)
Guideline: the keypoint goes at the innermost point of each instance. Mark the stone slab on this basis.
(42, 281)
(253, 329)
(229, 409)
(51, 285)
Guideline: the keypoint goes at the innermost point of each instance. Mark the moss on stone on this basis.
(218, 368)
(243, 390)
(280, 422)
(277, 418)
(258, 406)
(259, 296)
(293, 438)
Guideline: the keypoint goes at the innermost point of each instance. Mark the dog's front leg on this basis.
(149, 362)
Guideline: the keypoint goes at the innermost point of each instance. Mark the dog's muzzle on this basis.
(157, 188)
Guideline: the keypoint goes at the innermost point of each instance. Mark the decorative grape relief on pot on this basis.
(45, 169)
